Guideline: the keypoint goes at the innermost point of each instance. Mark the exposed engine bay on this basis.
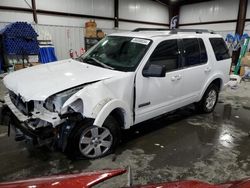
(41, 114)
(42, 121)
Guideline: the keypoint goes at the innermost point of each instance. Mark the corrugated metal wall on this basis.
(63, 37)
(143, 10)
(68, 32)
(211, 11)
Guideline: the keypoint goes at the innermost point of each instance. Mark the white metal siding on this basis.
(130, 26)
(222, 28)
(89, 7)
(15, 3)
(68, 32)
(248, 10)
(143, 10)
(209, 11)
(72, 21)
(64, 38)
(12, 16)
(247, 26)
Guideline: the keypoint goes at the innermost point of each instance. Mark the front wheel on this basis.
(93, 142)
(209, 99)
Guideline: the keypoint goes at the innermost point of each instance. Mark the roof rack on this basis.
(150, 29)
(175, 31)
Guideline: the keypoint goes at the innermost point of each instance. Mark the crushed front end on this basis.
(34, 122)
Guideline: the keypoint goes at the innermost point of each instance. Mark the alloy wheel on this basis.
(95, 141)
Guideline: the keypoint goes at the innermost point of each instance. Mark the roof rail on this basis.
(175, 31)
(150, 29)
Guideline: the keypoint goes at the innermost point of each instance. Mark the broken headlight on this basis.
(55, 102)
(76, 106)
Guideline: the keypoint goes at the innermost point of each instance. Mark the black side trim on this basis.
(134, 99)
(144, 104)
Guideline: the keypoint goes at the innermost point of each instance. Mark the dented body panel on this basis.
(95, 91)
(40, 82)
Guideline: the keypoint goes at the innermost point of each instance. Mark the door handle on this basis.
(177, 77)
(173, 78)
(208, 69)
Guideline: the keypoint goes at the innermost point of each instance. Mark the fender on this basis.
(109, 107)
(211, 79)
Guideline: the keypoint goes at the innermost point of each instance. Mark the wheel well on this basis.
(217, 82)
(118, 114)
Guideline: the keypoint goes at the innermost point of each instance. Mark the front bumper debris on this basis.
(42, 114)
(39, 136)
(23, 127)
(56, 130)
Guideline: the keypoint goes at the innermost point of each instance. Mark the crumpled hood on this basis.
(42, 81)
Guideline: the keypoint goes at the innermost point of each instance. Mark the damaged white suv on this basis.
(81, 105)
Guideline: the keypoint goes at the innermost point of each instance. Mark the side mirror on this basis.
(154, 71)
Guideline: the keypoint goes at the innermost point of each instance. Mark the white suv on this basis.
(81, 105)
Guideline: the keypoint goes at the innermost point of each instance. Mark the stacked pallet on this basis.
(92, 34)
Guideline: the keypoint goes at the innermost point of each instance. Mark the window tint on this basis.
(220, 48)
(203, 52)
(191, 52)
(167, 54)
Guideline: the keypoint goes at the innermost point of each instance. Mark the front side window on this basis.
(117, 52)
(166, 54)
(220, 49)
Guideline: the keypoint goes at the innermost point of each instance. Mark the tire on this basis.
(209, 100)
(92, 142)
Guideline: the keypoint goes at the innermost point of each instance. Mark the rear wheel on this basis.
(92, 142)
(209, 99)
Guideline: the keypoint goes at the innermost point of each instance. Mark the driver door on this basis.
(158, 95)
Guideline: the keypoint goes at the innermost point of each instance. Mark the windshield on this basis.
(116, 52)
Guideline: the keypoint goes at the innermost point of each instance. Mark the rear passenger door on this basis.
(196, 69)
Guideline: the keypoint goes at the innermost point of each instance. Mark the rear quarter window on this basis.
(220, 49)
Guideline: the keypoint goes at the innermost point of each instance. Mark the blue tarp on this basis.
(47, 54)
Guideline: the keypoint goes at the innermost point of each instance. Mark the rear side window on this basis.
(167, 54)
(191, 52)
(220, 48)
(194, 52)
